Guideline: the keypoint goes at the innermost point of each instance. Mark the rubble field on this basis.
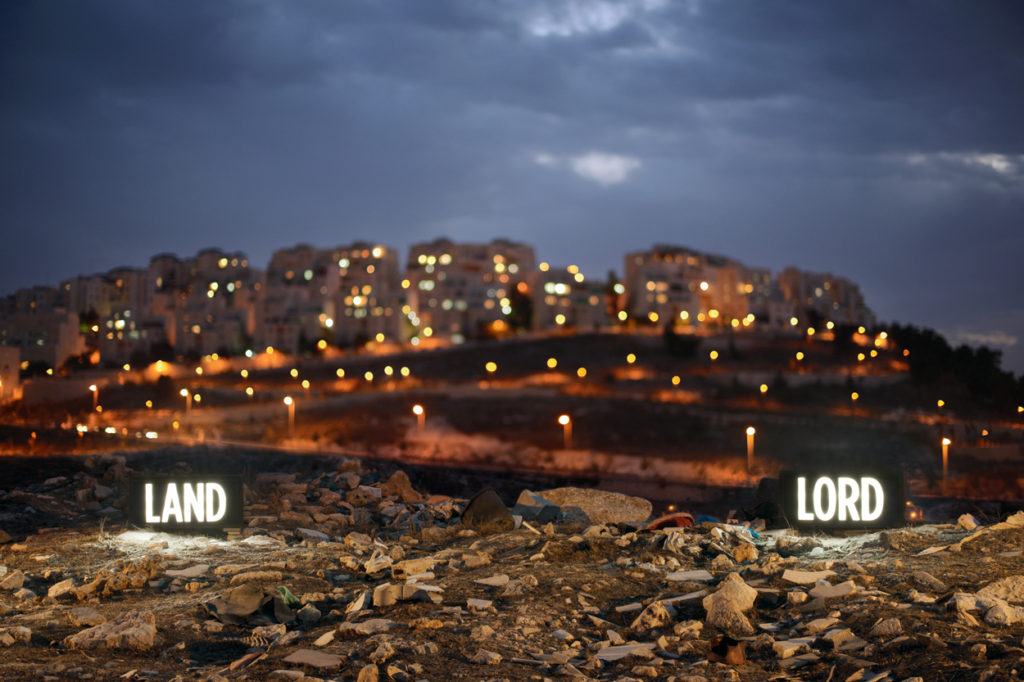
(353, 573)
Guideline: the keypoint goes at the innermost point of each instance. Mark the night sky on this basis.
(881, 141)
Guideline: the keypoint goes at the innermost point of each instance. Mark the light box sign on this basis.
(828, 500)
(198, 502)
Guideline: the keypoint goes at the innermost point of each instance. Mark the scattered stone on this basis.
(698, 576)
(615, 653)
(308, 614)
(601, 506)
(190, 572)
(14, 634)
(1009, 589)
(805, 577)
(888, 627)
(487, 513)
(745, 552)
(722, 563)
(58, 590)
(499, 580)
(929, 581)
(85, 617)
(313, 535)
(14, 581)
(823, 590)
(130, 630)
(656, 615)
(257, 577)
(725, 608)
(373, 626)
(316, 659)
(368, 673)
(485, 657)
(788, 648)
(478, 604)
(400, 486)
(967, 522)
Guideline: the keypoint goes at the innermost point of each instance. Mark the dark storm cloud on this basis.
(864, 138)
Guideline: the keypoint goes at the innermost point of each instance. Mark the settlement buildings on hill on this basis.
(309, 298)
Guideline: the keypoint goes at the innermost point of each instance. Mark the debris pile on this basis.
(351, 574)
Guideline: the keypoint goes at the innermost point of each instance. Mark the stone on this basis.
(313, 535)
(316, 659)
(887, 627)
(499, 580)
(688, 629)
(324, 639)
(725, 608)
(929, 581)
(519, 586)
(382, 653)
(85, 617)
(14, 634)
(130, 630)
(4, 537)
(24, 594)
(805, 577)
(308, 614)
(487, 513)
(257, 577)
(786, 648)
(485, 657)
(14, 581)
(1003, 614)
(722, 563)
(478, 604)
(745, 552)
(967, 522)
(58, 590)
(409, 567)
(796, 597)
(368, 673)
(698, 576)
(1009, 589)
(823, 590)
(481, 632)
(653, 617)
(819, 625)
(399, 485)
(371, 626)
(836, 637)
(601, 506)
(294, 675)
(615, 653)
(190, 572)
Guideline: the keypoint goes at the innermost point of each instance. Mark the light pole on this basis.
(750, 448)
(291, 415)
(946, 442)
(566, 423)
(95, 396)
(187, 395)
(420, 416)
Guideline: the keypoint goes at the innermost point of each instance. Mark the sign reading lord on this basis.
(828, 500)
(198, 502)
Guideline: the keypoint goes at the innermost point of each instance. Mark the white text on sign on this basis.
(838, 499)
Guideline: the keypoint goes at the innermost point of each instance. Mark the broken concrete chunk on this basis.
(823, 590)
(697, 576)
(725, 608)
(190, 572)
(601, 506)
(316, 659)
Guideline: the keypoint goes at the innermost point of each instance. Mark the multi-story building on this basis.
(48, 337)
(364, 294)
(823, 297)
(215, 309)
(677, 284)
(10, 366)
(462, 291)
(564, 299)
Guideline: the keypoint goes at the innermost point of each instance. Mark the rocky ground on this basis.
(355, 573)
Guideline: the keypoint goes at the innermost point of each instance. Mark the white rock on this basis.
(60, 589)
(698, 576)
(14, 634)
(967, 522)
(499, 580)
(788, 647)
(725, 608)
(805, 577)
(1009, 589)
(130, 630)
(823, 590)
(888, 627)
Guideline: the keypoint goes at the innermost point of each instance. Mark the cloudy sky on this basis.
(881, 141)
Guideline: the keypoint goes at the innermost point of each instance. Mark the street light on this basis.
(566, 423)
(946, 442)
(95, 395)
(291, 415)
(420, 416)
(187, 395)
(750, 448)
